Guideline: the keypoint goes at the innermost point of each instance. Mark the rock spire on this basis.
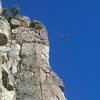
(25, 72)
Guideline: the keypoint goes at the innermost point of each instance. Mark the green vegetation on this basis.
(12, 12)
(15, 10)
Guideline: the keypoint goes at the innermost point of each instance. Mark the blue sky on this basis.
(77, 60)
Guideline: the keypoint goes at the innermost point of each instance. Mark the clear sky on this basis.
(77, 60)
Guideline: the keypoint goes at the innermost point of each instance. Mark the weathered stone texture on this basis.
(7, 82)
(25, 73)
(15, 23)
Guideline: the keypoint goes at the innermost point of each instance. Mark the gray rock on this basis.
(28, 35)
(7, 81)
(25, 21)
(25, 72)
(35, 74)
(15, 23)
(4, 31)
(37, 25)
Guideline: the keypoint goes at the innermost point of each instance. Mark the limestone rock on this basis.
(15, 23)
(13, 56)
(37, 25)
(4, 31)
(7, 81)
(25, 72)
(25, 21)
(28, 35)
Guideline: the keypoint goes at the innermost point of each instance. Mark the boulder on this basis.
(25, 21)
(15, 23)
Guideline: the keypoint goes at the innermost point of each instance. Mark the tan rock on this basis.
(25, 21)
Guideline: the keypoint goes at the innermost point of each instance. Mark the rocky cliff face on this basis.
(25, 73)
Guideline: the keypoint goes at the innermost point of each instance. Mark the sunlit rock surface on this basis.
(25, 73)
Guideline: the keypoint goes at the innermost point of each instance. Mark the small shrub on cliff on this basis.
(37, 25)
(10, 13)
(15, 10)
(6, 13)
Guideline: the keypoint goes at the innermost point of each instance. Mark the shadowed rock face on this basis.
(7, 85)
(3, 39)
(25, 72)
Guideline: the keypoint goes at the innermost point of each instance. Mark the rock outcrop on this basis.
(25, 73)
